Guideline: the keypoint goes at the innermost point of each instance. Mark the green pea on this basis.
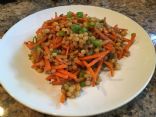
(96, 42)
(79, 14)
(75, 28)
(61, 33)
(69, 14)
(83, 30)
(91, 24)
(82, 84)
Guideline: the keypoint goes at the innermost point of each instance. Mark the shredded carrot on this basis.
(47, 65)
(38, 42)
(76, 73)
(67, 50)
(49, 77)
(101, 35)
(110, 66)
(63, 98)
(40, 63)
(95, 55)
(61, 75)
(55, 82)
(120, 54)
(94, 61)
(109, 46)
(59, 59)
(57, 46)
(29, 44)
(125, 39)
(99, 68)
(79, 62)
(71, 75)
(130, 42)
(39, 31)
(91, 71)
(46, 49)
(56, 40)
(60, 66)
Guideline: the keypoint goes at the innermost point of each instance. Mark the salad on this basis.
(73, 48)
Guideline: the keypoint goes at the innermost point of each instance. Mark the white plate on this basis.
(32, 90)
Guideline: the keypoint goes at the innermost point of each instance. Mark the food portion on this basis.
(73, 49)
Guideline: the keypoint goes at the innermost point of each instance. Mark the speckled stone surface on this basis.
(141, 11)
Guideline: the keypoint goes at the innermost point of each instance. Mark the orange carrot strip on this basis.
(49, 77)
(57, 43)
(57, 46)
(40, 63)
(67, 51)
(60, 66)
(79, 62)
(113, 36)
(59, 59)
(47, 64)
(55, 82)
(96, 60)
(85, 63)
(76, 73)
(46, 49)
(39, 31)
(61, 75)
(130, 42)
(71, 75)
(101, 35)
(110, 66)
(29, 44)
(98, 68)
(38, 42)
(95, 55)
(125, 39)
(120, 54)
(90, 70)
(108, 46)
(62, 98)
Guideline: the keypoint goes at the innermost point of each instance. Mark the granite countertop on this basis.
(141, 11)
